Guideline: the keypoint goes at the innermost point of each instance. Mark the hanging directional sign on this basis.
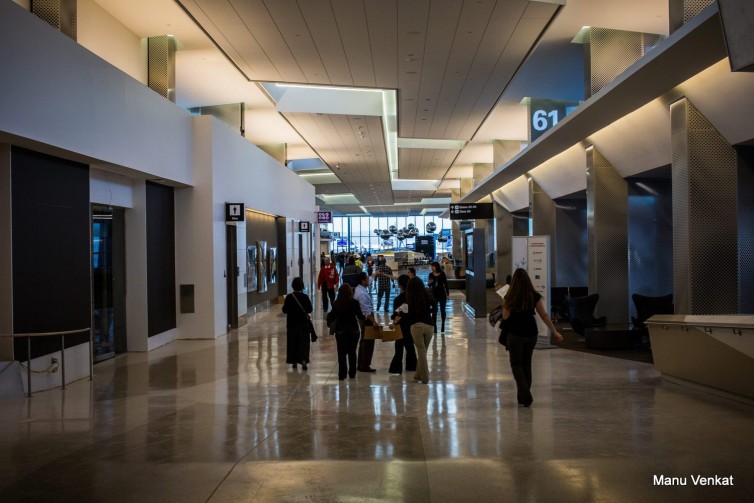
(234, 212)
(472, 211)
(324, 217)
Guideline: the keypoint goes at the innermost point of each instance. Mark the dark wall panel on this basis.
(161, 315)
(650, 237)
(261, 227)
(51, 249)
(571, 250)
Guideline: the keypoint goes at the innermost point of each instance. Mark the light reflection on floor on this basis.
(227, 420)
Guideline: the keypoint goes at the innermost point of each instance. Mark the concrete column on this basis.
(607, 53)
(482, 171)
(681, 11)
(232, 115)
(503, 242)
(542, 211)
(136, 270)
(607, 224)
(60, 14)
(161, 65)
(503, 151)
(706, 215)
(6, 255)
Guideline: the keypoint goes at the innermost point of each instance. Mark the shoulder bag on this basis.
(309, 324)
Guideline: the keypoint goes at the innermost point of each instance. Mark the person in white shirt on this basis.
(366, 346)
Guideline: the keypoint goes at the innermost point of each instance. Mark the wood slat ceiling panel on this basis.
(252, 11)
(221, 12)
(284, 10)
(331, 188)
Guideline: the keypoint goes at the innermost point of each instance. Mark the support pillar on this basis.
(136, 270)
(709, 262)
(607, 224)
(161, 65)
(503, 151)
(503, 242)
(6, 255)
(60, 14)
(542, 211)
(482, 171)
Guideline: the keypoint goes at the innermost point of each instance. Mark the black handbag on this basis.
(309, 325)
(503, 339)
(495, 316)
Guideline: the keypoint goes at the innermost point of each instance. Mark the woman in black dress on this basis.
(345, 313)
(519, 306)
(438, 283)
(297, 307)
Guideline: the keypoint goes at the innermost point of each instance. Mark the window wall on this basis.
(357, 233)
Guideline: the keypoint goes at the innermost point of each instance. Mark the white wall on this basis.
(227, 169)
(58, 93)
(110, 189)
(136, 270)
(106, 37)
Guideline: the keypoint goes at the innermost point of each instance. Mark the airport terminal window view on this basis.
(358, 233)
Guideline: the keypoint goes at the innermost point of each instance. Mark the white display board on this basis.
(533, 254)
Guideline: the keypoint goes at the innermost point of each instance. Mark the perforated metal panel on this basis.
(161, 65)
(607, 226)
(705, 236)
(542, 211)
(693, 7)
(610, 52)
(231, 114)
(745, 229)
(60, 14)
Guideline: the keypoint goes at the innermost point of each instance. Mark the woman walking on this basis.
(297, 307)
(345, 314)
(438, 283)
(519, 306)
(419, 303)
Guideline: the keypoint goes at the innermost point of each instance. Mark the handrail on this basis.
(699, 324)
(40, 334)
(62, 335)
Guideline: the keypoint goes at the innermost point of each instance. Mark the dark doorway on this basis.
(231, 274)
(108, 282)
(301, 256)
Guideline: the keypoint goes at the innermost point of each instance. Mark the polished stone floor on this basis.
(228, 421)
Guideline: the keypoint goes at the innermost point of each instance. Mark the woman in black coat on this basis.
(297, 307)
(346, 314)
(519, 306)
(438, 283)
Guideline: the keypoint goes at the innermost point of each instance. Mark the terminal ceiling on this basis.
(458, 68)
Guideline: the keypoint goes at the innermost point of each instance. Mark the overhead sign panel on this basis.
(471, 211)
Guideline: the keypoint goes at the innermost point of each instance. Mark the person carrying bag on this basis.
(299, 328)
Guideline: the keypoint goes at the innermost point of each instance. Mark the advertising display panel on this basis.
(533, 254)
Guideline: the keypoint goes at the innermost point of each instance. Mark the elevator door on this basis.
(108, 282)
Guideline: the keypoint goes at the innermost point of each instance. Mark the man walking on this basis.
(385, 279)
(328, 280)
(366, 346)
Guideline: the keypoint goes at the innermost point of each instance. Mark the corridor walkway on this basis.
(228, 421)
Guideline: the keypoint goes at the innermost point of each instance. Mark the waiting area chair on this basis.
(581, 313)
(646, 307)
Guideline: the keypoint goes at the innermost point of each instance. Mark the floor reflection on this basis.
(228, 420)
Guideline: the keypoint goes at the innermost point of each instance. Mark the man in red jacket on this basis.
(328, 280)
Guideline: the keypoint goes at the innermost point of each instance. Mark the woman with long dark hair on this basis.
(297, 307)
(345, 314)
(419, 303)
(438, 283)
(519, 306)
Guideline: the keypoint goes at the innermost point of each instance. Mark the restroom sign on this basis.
(234, 212)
